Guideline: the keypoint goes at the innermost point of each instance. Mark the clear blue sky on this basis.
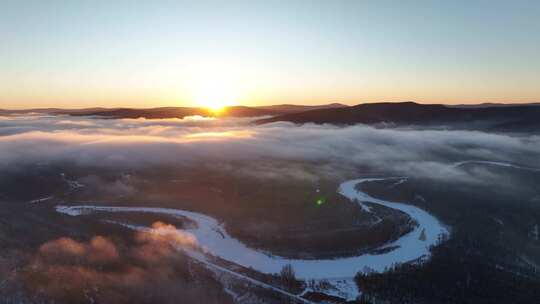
(162, 53)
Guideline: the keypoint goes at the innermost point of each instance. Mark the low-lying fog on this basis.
(334, 151)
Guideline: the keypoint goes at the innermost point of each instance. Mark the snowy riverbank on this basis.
(213, 238)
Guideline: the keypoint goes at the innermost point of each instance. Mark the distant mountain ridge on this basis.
(178, 112)
(292, 108)
(55, 110)
(150, 113)
(508, 118)
(175, 112)
(494, 105)
(502, 117)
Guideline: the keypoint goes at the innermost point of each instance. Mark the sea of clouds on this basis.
(36, 138)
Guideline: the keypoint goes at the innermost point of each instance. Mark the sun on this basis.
(214, 95)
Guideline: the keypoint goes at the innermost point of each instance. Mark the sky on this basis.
(76, 54)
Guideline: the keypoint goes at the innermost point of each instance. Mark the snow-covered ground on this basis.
(344, 288)
(203, 259)
(213, 239)
(41, 200)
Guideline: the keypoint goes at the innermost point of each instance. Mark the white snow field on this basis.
(213, 239)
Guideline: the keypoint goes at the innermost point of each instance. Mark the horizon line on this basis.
(276, 104)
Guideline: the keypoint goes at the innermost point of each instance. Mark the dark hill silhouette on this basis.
(177, 112)
(181, 112)
(292, 108)
(498, 117)
(173, 112)
(410, 113)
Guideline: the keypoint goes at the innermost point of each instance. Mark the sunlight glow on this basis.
(215, 95)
